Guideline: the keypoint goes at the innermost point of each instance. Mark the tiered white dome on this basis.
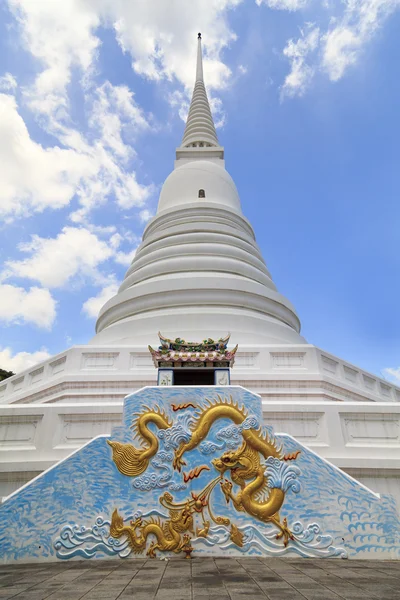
(198, 272)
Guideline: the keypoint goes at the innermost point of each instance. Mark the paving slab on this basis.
(203, 579)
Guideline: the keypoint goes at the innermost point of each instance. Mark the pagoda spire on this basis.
(200, 129)
(199, 63)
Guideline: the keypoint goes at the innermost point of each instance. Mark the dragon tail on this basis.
(118, 529)
(129, 460)
(117, 525)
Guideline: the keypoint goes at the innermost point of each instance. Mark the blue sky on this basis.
(306, 96)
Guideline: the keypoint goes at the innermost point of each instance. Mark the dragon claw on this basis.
(178, 463)
(150, 552)
(226, 487)
(284, 533)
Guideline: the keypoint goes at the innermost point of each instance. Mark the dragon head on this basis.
(229, 460)
(182, 520)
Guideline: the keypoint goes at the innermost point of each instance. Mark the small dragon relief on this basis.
(258, 468)
(167, 534)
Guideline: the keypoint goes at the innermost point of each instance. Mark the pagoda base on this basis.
(194, 472)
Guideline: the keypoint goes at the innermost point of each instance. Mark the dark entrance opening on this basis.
(184, 376)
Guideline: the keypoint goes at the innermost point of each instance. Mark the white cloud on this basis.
(60, 35)
(344, 41)
(125, 258)
(33, 178)
(340, 51)
(21, 360)
(301, 73)
(218, 112)
(93, 305)
(284, 4)
(393, 374)
(340, 43)
(93, 167)
(181, 101)
(74, 257)
(18, 305)
(115, 240)
(8, 83)
(113, 111)
(145, 215)
(159, 37)
(75, 252)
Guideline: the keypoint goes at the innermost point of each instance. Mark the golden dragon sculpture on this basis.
(254, 497)
(244, 464)
(167, 534)
(225, 410)
(133, 461)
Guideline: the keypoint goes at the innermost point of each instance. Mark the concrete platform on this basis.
(203, 579)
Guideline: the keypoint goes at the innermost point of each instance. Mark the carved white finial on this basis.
(199, 62)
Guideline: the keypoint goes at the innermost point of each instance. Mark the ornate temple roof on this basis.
(180, 351)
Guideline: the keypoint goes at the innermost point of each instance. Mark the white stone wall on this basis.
(281, 372)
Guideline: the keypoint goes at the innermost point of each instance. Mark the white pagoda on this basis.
(199, 275)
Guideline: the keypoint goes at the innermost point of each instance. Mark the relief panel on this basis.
(288, 360)
(369, 382)
(99, 360)
(329, 365)
(141, 360)
(370, 429)
(77, 429)
(18, 432)
(350, 374)
(386, 390)
(17, 384)
(36, 375)
(246, 360)
(58, 365)
(304, 426)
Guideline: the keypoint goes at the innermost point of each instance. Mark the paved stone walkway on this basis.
(203, 579)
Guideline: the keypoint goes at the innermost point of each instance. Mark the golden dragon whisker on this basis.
(176, 407)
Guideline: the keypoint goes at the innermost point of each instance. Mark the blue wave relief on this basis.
(75, 541)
